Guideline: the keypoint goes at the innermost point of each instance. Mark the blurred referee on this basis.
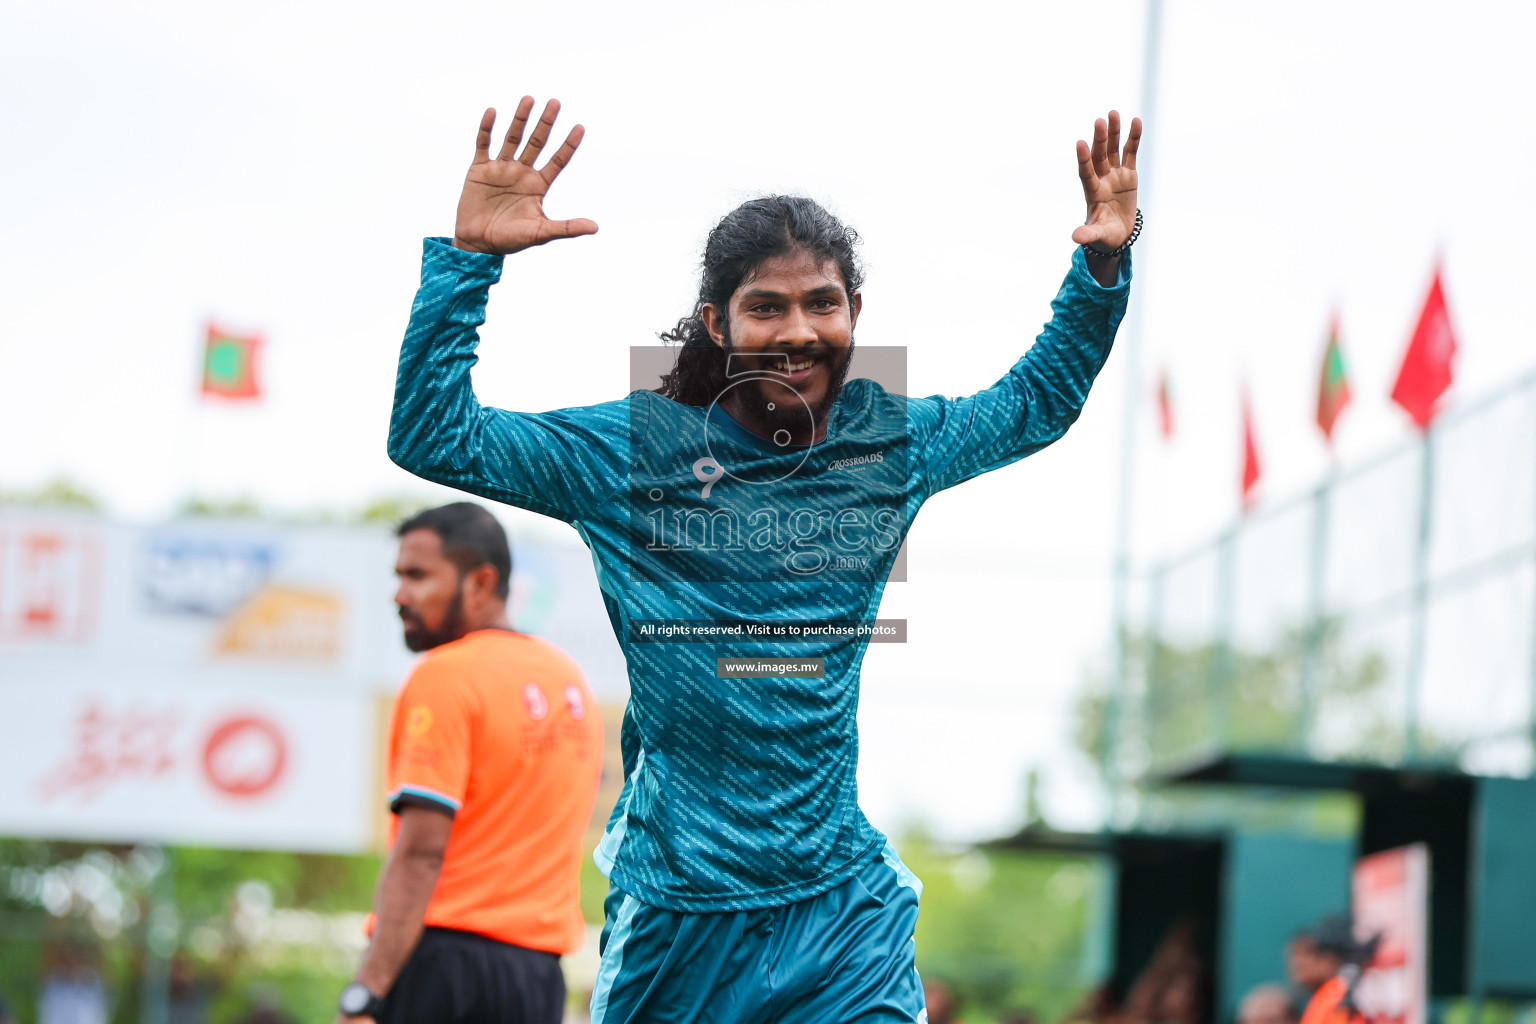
(495, 749)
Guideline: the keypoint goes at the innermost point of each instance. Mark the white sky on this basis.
(275, 166)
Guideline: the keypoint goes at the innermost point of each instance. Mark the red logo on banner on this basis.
(47, 584)
(245, 756)
(135, 744)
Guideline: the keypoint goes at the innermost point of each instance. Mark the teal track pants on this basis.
(846, 955)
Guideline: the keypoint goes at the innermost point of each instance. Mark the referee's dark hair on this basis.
(471, 538)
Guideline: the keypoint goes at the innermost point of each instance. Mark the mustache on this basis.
(777, 360)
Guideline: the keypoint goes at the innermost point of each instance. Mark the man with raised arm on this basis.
(759, 488)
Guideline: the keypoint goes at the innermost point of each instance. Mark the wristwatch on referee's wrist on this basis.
(358, 1000)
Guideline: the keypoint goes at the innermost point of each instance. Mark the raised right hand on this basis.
(502, 208)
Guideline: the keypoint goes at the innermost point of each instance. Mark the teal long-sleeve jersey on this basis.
(739, 793)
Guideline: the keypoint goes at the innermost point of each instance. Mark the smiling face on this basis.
(792, 322)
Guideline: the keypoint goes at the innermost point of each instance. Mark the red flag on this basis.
(1333, 384)
(229, 364)
(1250, 454)
(1164, 405)
(1426, 370)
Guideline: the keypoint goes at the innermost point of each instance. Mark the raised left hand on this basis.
(1109, 184)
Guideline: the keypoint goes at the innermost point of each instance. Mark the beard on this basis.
(419, 638)
(795, 416)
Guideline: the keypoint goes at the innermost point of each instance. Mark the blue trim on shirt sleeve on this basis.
(402, 796)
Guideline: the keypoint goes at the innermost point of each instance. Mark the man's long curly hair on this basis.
(748, 236)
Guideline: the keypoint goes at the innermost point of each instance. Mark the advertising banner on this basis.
(136, 758)
(220, 682)
(1391, 906)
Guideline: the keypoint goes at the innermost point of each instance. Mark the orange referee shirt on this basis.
(501, 730)
(1326, 1005)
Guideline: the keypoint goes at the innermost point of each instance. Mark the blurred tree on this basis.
(59, 493)
(383, 510)
(386, 510)
(1205, 697)
(1003, 931)
(284, 924)
(1199, 699)
(393, 509)
(1033, 814)
(242, 507)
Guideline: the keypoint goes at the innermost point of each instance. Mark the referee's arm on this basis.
(405, 887)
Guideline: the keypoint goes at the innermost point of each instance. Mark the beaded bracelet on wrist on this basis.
(1125, 247)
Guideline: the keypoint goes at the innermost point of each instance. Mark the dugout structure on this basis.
(1245, 892)
(1481, 834)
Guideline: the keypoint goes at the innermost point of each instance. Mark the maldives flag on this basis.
(1426, 369)
(1332, 386)
(1164, 405)
(1250, 454)
(229, 364)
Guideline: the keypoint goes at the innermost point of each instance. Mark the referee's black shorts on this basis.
(456, 977)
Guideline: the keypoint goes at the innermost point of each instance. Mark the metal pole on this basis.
(1531, 728)
(1096, 958)
(160, 940)
(1223, 680)
(1130, 345)
(1150, 702)
(1420, 621)
(1312, 659)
